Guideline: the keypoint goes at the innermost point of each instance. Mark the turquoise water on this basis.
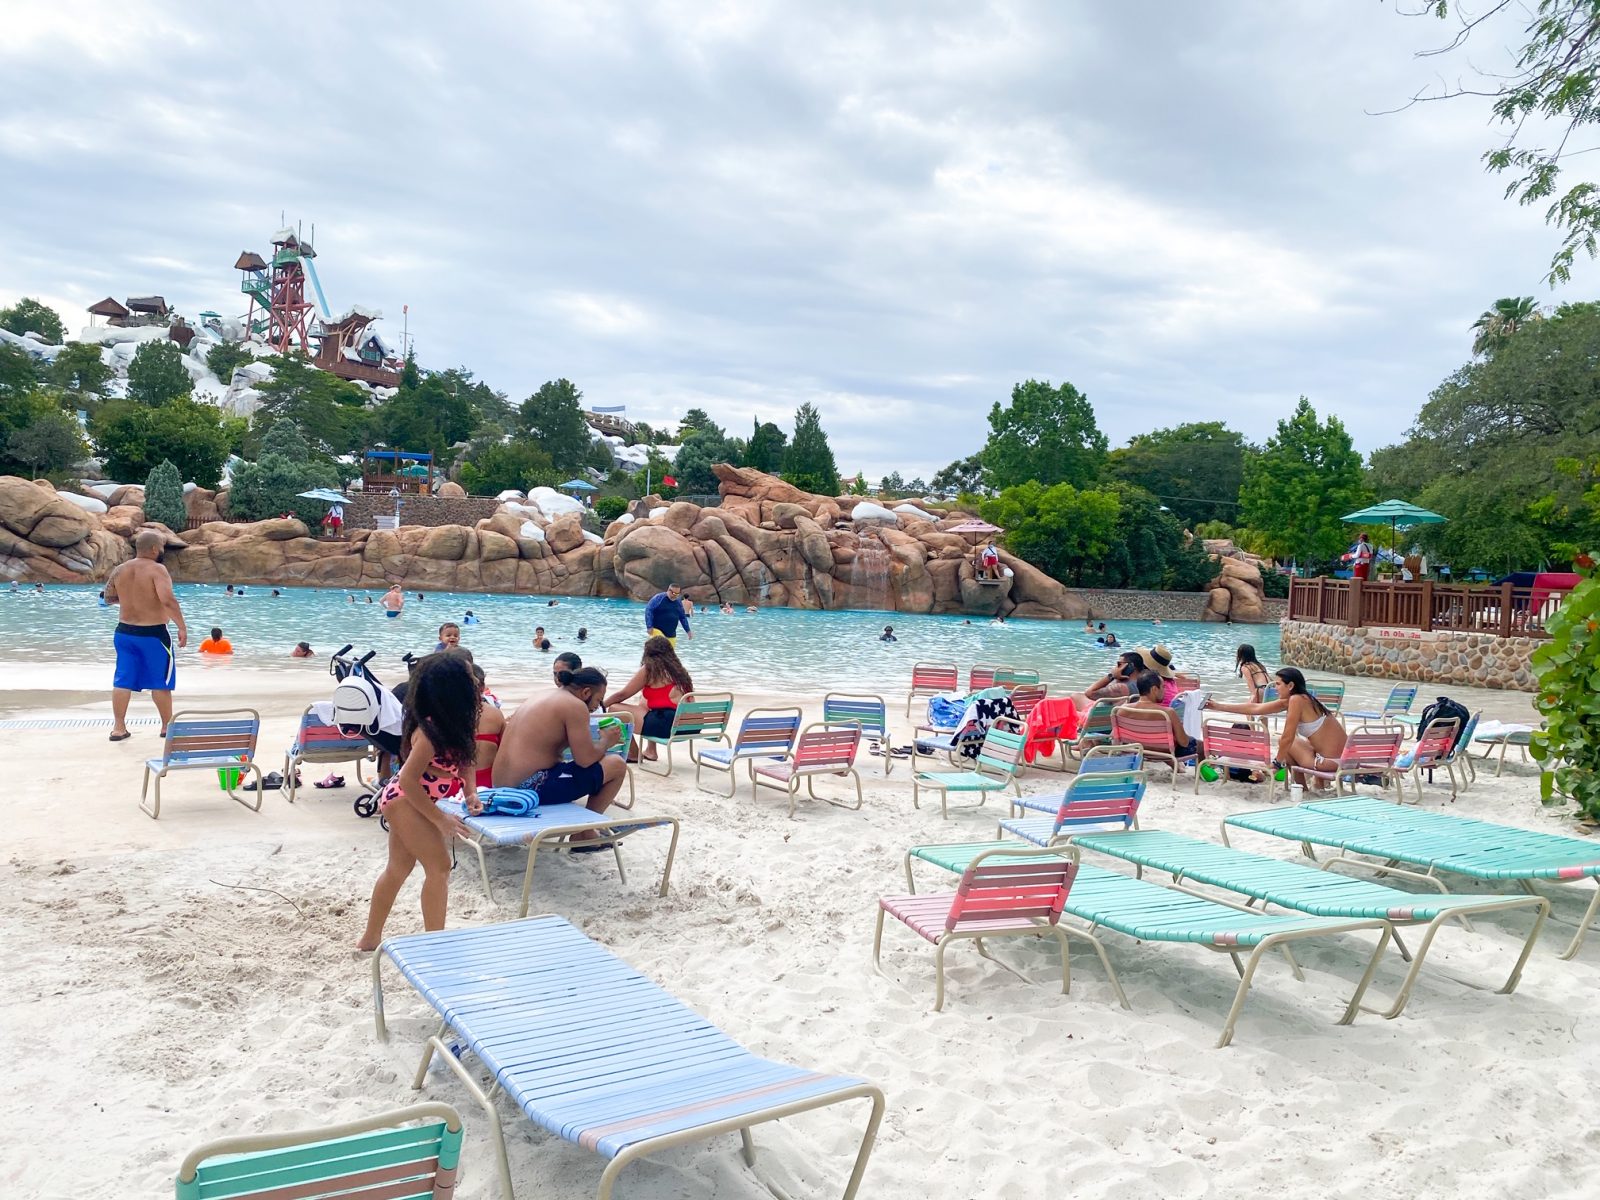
(773, 650)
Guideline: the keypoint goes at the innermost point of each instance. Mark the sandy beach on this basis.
(159, 997)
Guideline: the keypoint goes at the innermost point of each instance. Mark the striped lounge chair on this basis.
(316, 742)
(932, 679)
(998, 764)
(638, 1073)
(1250, 748)
(1104, 899)
(863, 709)
(1424, 843)
(765, 734)
(1004, 892)
(818, 751)
(1397, 707)
(1307, 889)
(381, 1156)
(700, 717)
(1152, 732)
(223, 740)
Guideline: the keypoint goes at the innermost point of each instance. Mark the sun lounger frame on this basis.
(222, 739)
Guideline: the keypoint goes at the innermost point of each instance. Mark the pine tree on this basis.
(808, 463)
(163, 497)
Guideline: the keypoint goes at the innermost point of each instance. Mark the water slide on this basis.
(311, 273)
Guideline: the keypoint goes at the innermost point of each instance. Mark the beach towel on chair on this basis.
(945, 712)
(986, 708)
(1050, 720)
(508, 801)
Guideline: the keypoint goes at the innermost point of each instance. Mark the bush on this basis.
(163, 497)
(157, 376)
(133, 438)
(609, 508)
(271, 487)
(1568, 748)
(1275, 585)
(225, 358)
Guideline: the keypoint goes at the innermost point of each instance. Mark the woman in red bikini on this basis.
(662, 681)
(491, 724)
(441, 722)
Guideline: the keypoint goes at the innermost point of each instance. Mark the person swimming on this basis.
(888, 634)
(302, 650)
(583, 634)
(469, 619)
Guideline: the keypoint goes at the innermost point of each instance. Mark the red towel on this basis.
(1049, 721)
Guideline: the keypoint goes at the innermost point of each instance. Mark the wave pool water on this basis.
(774, 650)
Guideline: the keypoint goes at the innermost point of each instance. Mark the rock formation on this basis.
(1237, 593)
(768, 543)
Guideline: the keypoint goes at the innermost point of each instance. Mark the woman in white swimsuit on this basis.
(1312, 735)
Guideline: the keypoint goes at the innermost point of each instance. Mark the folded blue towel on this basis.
(508, 801)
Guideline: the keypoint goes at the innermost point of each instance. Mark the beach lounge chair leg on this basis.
(260, 792)
(748, 1146)
(1066, 961)
(1354, 1006)
(1099, 949)
(877, 934)
(377, 996)
(483, 868)
(428, 1051)
(1569, 952)
(288, 778)
(938, 973)
(527, 874)
(622, 874)
(484, 1102)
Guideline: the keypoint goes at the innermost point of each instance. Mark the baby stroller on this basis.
(362, 707)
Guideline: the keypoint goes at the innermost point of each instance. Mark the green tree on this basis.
(490, 409)
(657, 466)
(1544, 104)
(49, 444)
(157, 375)
(284, 439)
(20, 411)
(766, 448)
(163, 496)
(963, 475)
(223, 359)
(858, 485)
(433, 415)
(18, 373)
(1059, 529)
(329, 412)
(1194, 469)
(78, 369)
(692, 466)
(1046, 434)
(515, 465)
(891, 485)
(30, 316)
(808, 462)
(133, 438)
(1487, 449)
(1568, 748)
(1305, 479)
(697, 420)
(609, 508)
(553, 417)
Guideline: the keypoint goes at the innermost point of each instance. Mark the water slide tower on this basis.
(278, 290)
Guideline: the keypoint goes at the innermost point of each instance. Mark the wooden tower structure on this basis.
(278, 288)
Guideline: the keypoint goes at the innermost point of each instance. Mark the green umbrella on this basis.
(1397, 513)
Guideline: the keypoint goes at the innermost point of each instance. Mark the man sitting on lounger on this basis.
(542, 730)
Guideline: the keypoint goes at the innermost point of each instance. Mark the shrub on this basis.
(1568, 748)
(163, 497)
(609, 508)
(1275, 585)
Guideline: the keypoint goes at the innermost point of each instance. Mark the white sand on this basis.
(149, 1007)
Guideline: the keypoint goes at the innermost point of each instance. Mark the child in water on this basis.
(441, 722)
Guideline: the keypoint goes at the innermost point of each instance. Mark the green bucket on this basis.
(228, 778)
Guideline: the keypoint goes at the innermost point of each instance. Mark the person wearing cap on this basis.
(1159, 659)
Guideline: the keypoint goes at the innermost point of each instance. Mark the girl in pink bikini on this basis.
(441, 722)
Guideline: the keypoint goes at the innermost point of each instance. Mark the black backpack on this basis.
(1443, 709)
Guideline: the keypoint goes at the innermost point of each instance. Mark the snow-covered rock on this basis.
(658, 512)
(30, 344)
(625, 519)
(867, 511)
(552, 503)
(509, 494)
(590, 536)
(532, 531)
(910, 510)
(87, 503)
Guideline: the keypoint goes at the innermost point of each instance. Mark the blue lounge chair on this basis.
(554, 825)
(592, 1051)
(765, 735)
(222, 741)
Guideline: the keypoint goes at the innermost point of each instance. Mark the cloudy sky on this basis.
(895, 210)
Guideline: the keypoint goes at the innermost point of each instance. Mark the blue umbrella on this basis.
(577, 485)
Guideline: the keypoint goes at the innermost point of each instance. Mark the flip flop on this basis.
(119, 737)
(332, 781)
(271, 783)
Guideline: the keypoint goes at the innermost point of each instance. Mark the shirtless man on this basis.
(142, 589)
(544, 728)
(393, 601)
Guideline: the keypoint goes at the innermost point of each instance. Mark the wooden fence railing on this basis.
(1501, 609)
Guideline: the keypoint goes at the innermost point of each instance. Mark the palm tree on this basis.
(1495, 328)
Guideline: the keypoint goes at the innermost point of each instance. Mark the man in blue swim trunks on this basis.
(664, 614)
(142, 590)
(538, 735)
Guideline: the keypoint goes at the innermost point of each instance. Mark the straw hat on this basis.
(1159, 659)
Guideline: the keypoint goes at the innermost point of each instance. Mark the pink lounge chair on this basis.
(820, 750)
(1227, 746)
(1150, 730)
(932, 679)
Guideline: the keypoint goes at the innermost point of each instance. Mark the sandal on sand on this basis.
(332, 781)
(119, 737)
(271, 783)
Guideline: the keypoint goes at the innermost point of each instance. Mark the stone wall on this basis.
(427, 511)
(1126, 604)
(1470, 659)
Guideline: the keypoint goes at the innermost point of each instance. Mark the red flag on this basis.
(669, 481)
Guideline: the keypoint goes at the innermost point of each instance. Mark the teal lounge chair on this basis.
(1107, 900)
(1433, 842)
(700, 717)
(1094, 800)
(999, 763)
(1396, 708)
(382, 1155)
(1309, 890)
